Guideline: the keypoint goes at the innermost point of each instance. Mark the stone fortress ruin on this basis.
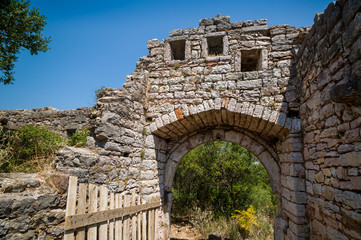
(289, 95)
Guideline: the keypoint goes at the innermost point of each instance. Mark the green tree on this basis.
(221, 177)
(20, 28)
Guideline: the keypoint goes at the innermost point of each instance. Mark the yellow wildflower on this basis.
(247, 219)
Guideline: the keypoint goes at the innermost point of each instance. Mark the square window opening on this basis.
(250, 60)
(178, 49)
(215, 46)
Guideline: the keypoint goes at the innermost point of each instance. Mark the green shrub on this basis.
(98, 93)
(78, 139)
(26, 148)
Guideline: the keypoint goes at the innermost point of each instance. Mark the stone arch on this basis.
(186, 119)
(269, 134)
(254, 144)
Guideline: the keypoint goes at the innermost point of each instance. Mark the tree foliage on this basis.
(222, 177)
(20, 28)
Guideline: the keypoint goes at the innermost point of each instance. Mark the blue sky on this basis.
(97, 43)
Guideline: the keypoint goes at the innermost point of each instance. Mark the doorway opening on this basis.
(221, 189)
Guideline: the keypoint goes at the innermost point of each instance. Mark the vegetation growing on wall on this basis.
(78, 139)
(29, 148)
(228, 183)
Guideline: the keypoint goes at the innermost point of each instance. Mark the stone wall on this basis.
(63, 122)
(202, 76)
(328, 63)
(32, 206)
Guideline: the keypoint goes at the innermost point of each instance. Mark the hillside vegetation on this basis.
(30, 148)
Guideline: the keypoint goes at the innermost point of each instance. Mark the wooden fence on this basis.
(111, 216)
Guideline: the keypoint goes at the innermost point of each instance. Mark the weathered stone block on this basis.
(299, 230)
(250, 84)
(293, 183)
(297, 210)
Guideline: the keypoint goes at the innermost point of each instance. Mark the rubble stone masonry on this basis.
(328, 61)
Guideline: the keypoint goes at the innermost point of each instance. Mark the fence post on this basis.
(103, 227)
(71, 204)
(126, 219)
(111, 222)
(144, 223)
(139, 217)
(118, 221)
(80, 234)
(134, 218)
(93, 201)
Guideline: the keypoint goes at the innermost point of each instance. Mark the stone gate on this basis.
(289, 95)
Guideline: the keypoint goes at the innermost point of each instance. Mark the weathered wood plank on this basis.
(103, 227)
(93, 200)
(139, 217)
(86, 219)
(152, 224)
(80, 234)
(71, 204)
(149, 224)
(118, 221)
(144, 225)
(126, 219)
(134, 218)
(111, 222)
(156, 215)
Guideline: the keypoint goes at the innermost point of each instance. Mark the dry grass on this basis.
(230, 228)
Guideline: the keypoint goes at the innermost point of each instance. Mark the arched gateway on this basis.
(252, 126)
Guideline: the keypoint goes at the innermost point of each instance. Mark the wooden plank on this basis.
(126, 219)
(101, 216)
(80, 234)
(149, 224)
(139, 217)
(121, 197)
(103, 227)
(111, 222)
(156, 215)
(152, 224)
(118, 221)
(93, 201)
(144, 225)
(71, 204)
(134, 218)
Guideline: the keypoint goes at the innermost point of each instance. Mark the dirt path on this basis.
(182, 231)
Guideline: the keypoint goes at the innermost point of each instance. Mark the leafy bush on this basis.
(78, 139)
(26, 148)
(98, 93)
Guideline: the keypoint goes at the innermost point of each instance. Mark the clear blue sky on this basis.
(97, 43)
